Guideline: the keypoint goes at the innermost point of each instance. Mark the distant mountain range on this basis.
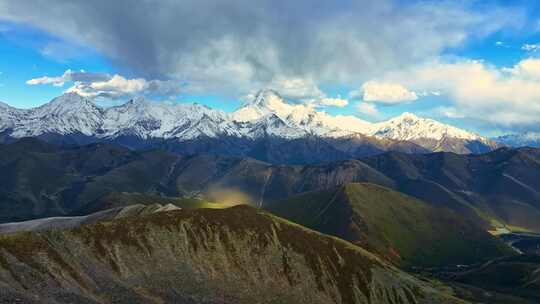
(527, 139)
(267, 128)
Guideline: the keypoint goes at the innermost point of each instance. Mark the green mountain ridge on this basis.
(501, 188)
(398, 227)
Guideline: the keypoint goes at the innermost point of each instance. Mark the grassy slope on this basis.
(401, 228)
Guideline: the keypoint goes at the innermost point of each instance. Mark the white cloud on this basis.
(115, 87)
(297, 88)
(503, 97)
(69, 76)
(526, 69)
(247, 46)
(334, 102)
(104, 85)
(368, 109)
(388, 93)
(55, 81)
(449, 112)
(531, 47)
(300, 90)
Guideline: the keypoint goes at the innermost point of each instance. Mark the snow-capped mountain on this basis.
(305, 117)
(267, 117)
(432, 135)
(69, 113)
(428, 133)
(146, 119)
(8, 116)
(527, 139)
(408, 126)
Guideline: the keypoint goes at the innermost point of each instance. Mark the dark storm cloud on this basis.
(231, 46)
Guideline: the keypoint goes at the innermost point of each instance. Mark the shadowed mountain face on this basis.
(192, 256)
(509, 280)
(398, 227)
(43, 180)
(502, 187)
(305, 150)
(495, 189)
(517, 275)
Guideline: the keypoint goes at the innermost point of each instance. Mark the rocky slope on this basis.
(236, 255)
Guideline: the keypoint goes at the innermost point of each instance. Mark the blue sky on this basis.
(482, 55)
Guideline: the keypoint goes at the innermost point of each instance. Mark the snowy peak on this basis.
(147, 119)
(274, 126)
(303, 117)
(68, 104)
(66, 114)
(68, 100)
(408, 126)
(407, 117)
(5, 106)
(268, 114)
(264, 98)
(265, 102)
(8, 116)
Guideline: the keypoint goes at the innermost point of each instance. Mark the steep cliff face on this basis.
(236, 255)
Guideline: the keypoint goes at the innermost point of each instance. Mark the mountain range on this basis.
(529, 139)
(498, 189)
(267, 128)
